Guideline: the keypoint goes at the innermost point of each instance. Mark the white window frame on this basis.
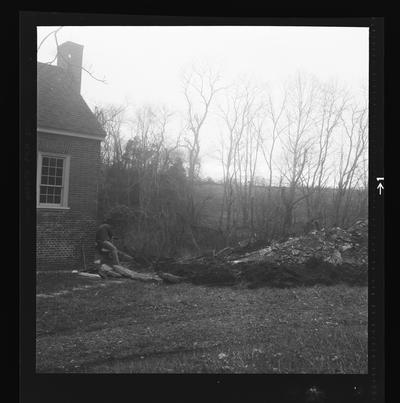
(65, 181)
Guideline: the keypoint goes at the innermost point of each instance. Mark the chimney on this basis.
(69, 57)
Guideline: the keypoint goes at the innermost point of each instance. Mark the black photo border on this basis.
(74, 388)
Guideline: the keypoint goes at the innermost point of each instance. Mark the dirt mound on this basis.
(319, 257)
(312, 273)
(260, 274)
(210, 273)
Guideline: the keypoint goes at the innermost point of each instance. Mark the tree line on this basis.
(291, 158)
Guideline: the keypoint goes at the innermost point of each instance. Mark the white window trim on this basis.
(64, 201)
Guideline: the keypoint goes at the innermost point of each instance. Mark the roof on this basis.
(60, 106)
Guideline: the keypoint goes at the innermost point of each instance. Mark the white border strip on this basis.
(67, 133)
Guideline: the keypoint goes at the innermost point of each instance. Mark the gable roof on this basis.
(61, 107)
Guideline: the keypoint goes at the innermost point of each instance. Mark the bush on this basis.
(120, 218)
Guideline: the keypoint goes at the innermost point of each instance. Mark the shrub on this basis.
(120, 218)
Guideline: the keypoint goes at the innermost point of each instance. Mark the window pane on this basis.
(60, 162)
(58, 181)
(57, 191)
(42, 199)
(44, 180)
(52, 171)
(52, 162)
(52, 180)
(45, 161)
(50, 190)
(45, 170)
(59, 172)
(57, 199)
(43, 190)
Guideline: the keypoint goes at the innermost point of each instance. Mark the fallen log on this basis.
(135, 275)
(106, 271)
(170, 278)
(91, 275)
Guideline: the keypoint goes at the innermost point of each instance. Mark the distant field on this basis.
(133, 327)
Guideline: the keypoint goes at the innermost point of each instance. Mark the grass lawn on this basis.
(127, 326)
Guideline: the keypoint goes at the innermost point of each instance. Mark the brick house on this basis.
(68, 165)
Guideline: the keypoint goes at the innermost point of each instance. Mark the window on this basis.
(53, 173)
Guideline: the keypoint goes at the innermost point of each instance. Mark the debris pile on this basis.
(319, 257)
(335, 246)
(326, 256)
(117, 271)
(129, 268)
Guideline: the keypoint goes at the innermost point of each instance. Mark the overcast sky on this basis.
(143, 65)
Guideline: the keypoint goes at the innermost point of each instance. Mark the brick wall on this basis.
(60, 234)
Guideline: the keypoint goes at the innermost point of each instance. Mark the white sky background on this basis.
(143, 65)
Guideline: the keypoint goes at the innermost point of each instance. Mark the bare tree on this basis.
(332, 102)
(239, 151)
(352, 156)
(147, 151)
(268, 138)
(199, 88)
(111, 119)
(299, 111)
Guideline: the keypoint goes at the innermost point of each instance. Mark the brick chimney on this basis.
(69, 57)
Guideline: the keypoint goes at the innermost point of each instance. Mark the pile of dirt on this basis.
(311, 273)
(320, 257)
(260, 274)
(204, 271)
